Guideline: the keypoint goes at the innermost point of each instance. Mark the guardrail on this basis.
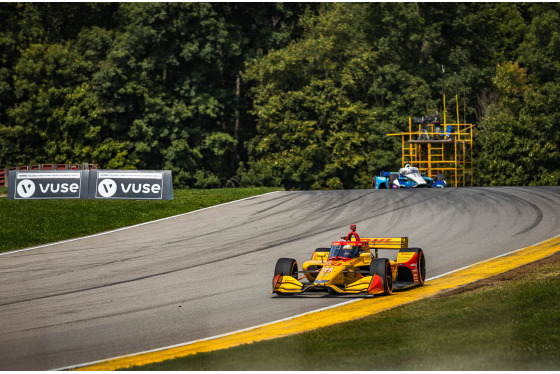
(4, 173)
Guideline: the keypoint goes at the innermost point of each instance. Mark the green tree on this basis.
(519, 135)
(50, 113)
(9, 147)
(170, 84)
(299, 95)
(158, 84)
(325, 103)
(57, 113)
(148, 85)
(469, 39)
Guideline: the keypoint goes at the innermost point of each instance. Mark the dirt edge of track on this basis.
(511, 275)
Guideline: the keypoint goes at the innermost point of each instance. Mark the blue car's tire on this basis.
(392, 178)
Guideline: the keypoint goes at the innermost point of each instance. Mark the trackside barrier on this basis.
(5, 172)
(131, 184)
(90, 184)
(48, 184)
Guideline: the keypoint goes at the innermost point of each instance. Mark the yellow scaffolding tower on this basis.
(448, 152)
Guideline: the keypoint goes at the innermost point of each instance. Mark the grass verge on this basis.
(26, 223)
(508, 322)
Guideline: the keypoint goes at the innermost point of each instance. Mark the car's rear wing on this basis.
(387, 174)
(377, 243)
(383, 243)
(386, 243)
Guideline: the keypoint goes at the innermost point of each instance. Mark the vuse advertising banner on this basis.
(94, 184)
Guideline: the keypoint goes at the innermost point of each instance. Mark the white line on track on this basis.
(209, 338)
(133, 226)
(281, 320)
(492, 258)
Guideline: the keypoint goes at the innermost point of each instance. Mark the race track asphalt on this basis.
(209, 272)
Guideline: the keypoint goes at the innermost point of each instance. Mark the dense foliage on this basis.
(279, 94)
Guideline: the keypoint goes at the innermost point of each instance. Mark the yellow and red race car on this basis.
(350, 267)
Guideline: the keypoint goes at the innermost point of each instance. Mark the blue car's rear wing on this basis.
(386, 174)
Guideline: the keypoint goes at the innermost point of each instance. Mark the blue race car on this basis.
(407, 177)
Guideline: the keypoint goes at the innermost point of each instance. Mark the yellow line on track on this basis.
(349, 311)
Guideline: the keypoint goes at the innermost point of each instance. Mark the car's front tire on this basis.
(286, 266)
(382, 268)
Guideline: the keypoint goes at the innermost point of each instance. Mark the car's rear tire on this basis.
(405, 274)
(392, 178)
(421, 263)
(286, 266)
(440, 178)
(382, 268)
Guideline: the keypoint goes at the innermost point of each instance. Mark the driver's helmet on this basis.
(348, 251)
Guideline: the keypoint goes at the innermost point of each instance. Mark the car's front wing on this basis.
(286, 285)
